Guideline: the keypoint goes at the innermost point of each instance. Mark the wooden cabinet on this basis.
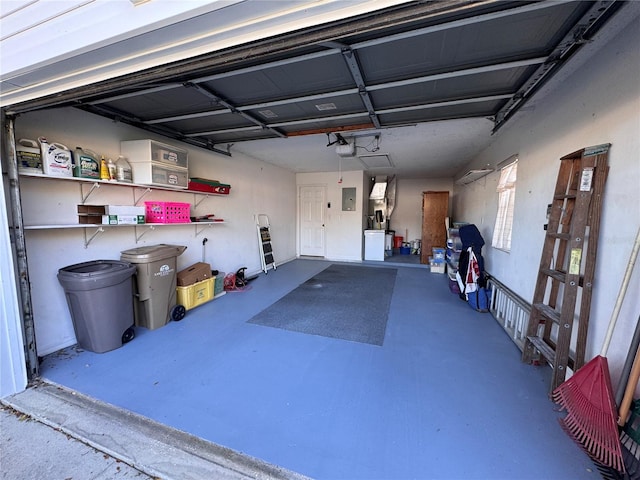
(435, 209)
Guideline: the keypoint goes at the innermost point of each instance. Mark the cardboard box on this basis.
(124, 210)
(111, 210)
(90, 219)
(195, 273)
(122, 219)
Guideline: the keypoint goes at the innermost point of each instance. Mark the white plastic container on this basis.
(56, 159)
(29, 156)
(159, 174)
(155, 163)
(146, 151)
(124, 173)
(111, 167)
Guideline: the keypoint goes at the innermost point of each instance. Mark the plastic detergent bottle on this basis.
(86, 164)
(56, 158)
(29, 156)
(104, 169)
(123, 170)
(111, 167)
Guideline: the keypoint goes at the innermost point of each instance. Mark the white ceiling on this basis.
(434, 149)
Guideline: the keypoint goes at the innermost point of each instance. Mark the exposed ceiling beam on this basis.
(218, 76)
(349, 116)
(346, 128)
(226, 130)
(356, 73)
(459, 73)
(137, 93)
(189, 116)
(213, 96)
(450, 103)
(581, 33)
(119, 116)
(352, 91)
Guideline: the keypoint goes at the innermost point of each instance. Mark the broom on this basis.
(587, 396)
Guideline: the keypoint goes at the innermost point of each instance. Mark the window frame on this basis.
(503, 226)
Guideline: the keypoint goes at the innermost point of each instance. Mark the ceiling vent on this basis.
(381, 160)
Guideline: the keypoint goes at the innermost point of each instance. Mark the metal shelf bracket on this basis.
(198, 232)
(197, 202)
(145, 230)
(88, 240)
(86, 196)
(142, 195)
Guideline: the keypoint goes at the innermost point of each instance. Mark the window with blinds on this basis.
(506, 200)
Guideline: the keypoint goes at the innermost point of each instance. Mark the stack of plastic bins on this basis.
(454, 248)
(100, 298)
(155, 297)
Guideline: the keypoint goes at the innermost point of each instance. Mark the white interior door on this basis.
(312, 211)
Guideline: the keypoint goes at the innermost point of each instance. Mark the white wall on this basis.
(256, 187)
(599, 103)
(343, 230)
(407, 215)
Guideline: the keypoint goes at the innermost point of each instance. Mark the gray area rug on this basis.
(343, 301)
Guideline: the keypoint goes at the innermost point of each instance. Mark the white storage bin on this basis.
(151, 173)
(145, 151)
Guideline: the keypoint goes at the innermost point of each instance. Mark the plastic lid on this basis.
(152, 253)
(94, 268)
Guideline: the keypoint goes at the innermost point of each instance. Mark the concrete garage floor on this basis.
(445, 397)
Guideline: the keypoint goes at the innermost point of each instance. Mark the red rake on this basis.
(588, 396)
(591, 413)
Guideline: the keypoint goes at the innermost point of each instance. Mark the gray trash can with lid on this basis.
(155, 302)
(100, 298)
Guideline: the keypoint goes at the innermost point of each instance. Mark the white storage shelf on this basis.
(88, 186)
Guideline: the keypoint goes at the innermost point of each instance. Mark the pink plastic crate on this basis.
(167, 212)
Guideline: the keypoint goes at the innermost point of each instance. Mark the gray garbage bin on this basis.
(100, 298)
(156, 273)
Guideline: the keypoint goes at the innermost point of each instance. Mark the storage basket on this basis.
(167, 212)
(218, 286)
(196, 294)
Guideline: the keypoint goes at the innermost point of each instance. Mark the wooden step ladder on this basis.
(562, 297)
(264, 241)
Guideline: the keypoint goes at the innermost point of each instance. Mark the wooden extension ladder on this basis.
(564, 286)
(264, 240)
